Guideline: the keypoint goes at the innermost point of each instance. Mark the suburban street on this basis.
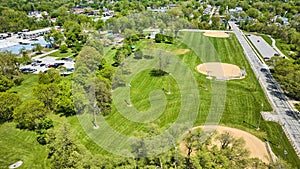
(287, 116)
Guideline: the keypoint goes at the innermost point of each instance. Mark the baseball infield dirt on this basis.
(217, 34)
(220, 70)
(256, 147)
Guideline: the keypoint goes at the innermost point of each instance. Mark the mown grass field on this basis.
(242, 105)
(62, 55)
(18, 145)
(25, 89)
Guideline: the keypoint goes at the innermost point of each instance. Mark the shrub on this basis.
(63, 48)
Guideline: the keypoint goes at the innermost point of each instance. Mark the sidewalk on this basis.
(44, 54)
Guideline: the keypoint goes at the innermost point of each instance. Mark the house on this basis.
(172, 6)
(37, 14)
(284, 20)
(235, 10)
(162, 9)
(53, 20)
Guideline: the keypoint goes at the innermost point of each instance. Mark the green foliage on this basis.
(73, 33)
(29, 114)
(41, 130)
(8, 103)
(38, 48)
(64, 99)
(63, 48)
(297, 106)
(50, 76)
(46, 93)
(15, 21)
(9, 67)
(138, 54)
(287, 75)
(163, 38)
(64, 152)
(54, 37)
(99, 24)
(5, 83)
(158, 38)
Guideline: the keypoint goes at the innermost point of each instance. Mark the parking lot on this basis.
(262, 46)
(43, 64)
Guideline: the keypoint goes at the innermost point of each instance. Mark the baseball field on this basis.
(157, 102)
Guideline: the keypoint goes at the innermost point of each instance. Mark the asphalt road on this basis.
(288, 117)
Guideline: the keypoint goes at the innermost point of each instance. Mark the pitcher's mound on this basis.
(217, 34)
(221, 71)
(181, 51)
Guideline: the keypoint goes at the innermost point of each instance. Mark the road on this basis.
(288, 117)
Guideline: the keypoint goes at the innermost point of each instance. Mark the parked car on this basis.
(56, 65)
(27, 70)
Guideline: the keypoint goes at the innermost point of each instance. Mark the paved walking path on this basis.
(287, 116)
(275, 47)
(44, 54)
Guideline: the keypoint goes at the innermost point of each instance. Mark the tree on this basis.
(252, 12)
(73, 33)
(64, 152)
(287, 74)
(138, 54)
(47, 94)
(8, 103)
(159, 38)
(29, 114)
(64, 100)
(225, 139)
(63, 48)
(5, 83)
(38, 48)
(50, 76)
(99, 24)
(9, 65)
(54, 37)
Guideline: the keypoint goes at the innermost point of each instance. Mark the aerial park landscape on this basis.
(146, 90)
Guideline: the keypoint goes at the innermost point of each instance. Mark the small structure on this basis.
(132, 47)
(16, 165)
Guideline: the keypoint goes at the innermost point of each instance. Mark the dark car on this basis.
(43, 64)
(56, 65)
(27, 70)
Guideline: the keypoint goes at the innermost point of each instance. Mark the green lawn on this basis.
(62, 55)
(25, 89)
(241, 106)
(18, 145)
